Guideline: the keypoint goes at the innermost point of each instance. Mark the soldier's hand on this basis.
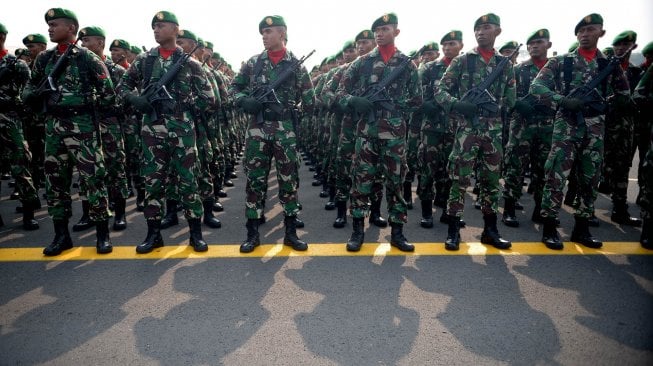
(571, 104)
(467, 109)
(524, 108)
(360, 105)
(140, 103)
(250, 105)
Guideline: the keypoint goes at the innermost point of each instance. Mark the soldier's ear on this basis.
(497, 31)
(397, 31)
(549, 45)
(602, 33)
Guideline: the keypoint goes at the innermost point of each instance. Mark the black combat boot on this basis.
(253, 239)
(170, 218)
(29, 223)
(84, 222)
(103, 244)
(375, 214)
(408, 194)
(61, 241)
(331, 204)
(325, 188)
(490, 234)
(509, 217)
(196, 240)
(341, 219)
(290, 238)
(209, 219)
(217, 206)
(397, 238)
(140, 199)
(581, 234)
(453, 234)
(621, 216)
(119, 222)
(153, 238)
(427, 214)
(550, 236)
(645, 238)
(357, 236)
(536, 217)
(593, 221)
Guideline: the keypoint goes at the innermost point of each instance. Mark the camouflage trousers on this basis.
(433, 155)
(13, 144)
(260, 149)
(131, 130)
(413, 140)
(483, 148)
(572, 142)
(373, 158)
(34, 131)
(618, 154)
(74, 141)
(529, 143)
(219, 158)
(646, 192)
(169, 148)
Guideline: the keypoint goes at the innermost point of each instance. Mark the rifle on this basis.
(480, 95)
(265, 93)
(144, 48)
(593, 103)
(158, 92)
(377, 93)
(47, 88)
(115, 64)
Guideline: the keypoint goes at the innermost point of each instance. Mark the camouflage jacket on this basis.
(525, 73)
(404, 92)
(295, 91)
(190, 88)
(329, 95)
(16, 75)
(457, 81)
(84, 81)
(549, 85)
(430, 75)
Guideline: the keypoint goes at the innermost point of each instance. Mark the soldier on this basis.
(133, 53)
(72, 135)
(508, 48)
(619, 134)
(275, 135)
(643, 123)
(381, 143)
(14, 75)
(168, 132)
(529, 139)
(577, 132)
(643, 96)
(478, 136)
(110, 122)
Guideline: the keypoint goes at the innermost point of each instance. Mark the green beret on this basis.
(510, 45)
(431, 46)
(573, 47)
(209, 45)
(34, 38)
(57, 13)
(489, 18)
(271, 21)
(120, 43)
(385, 19)
(164, 16)
(412, 53)
(185, 33)
(608, 51)
(590, 19)
(348, 44)
(324, 61)
(216, 55)
(453, 35)
(366, 34)
(3, 29)
(338, 55)
(21, 52)
(92, 31)
(648, 49)
(538, 34)
(625, 36)
(331, 59)
(201, 42)
(136, 50)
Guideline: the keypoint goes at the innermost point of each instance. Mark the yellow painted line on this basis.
(317, 250)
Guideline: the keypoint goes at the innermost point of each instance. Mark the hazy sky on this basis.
(233, 25)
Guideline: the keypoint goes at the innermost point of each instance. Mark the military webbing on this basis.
(368, 65)
(568, 68)
(148, 66)
(471, 66)
(258, 68)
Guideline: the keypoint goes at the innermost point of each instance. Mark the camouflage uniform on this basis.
(644, 97)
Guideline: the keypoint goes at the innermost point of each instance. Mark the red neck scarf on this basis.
(446, 61)
(276, 56)
(3, 53)
(62, 47)
(539, 63)
(165, 53)
(387, 51)
(486, 54)
(625, 64)
(124, 64)
(588, 55)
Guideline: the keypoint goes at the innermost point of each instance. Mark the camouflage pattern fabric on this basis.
(644, 97)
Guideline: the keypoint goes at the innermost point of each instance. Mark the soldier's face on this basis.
(60, 30)
(273, 38)
(451, 49)
(164, 31)
(94, 44)
(364, 46)
(588, 36)
(349, 54)
(385, 34)
(429, 56)
(35, 49)
(186, 44)
(486, 34)
(621, 47)
(537, 48)
(118, 55)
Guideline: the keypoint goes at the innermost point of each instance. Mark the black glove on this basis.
(467, 109)
(140, 103)
(250, 105)
(360, 105)
(430, 108)
(524, 108)
(571, 104)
